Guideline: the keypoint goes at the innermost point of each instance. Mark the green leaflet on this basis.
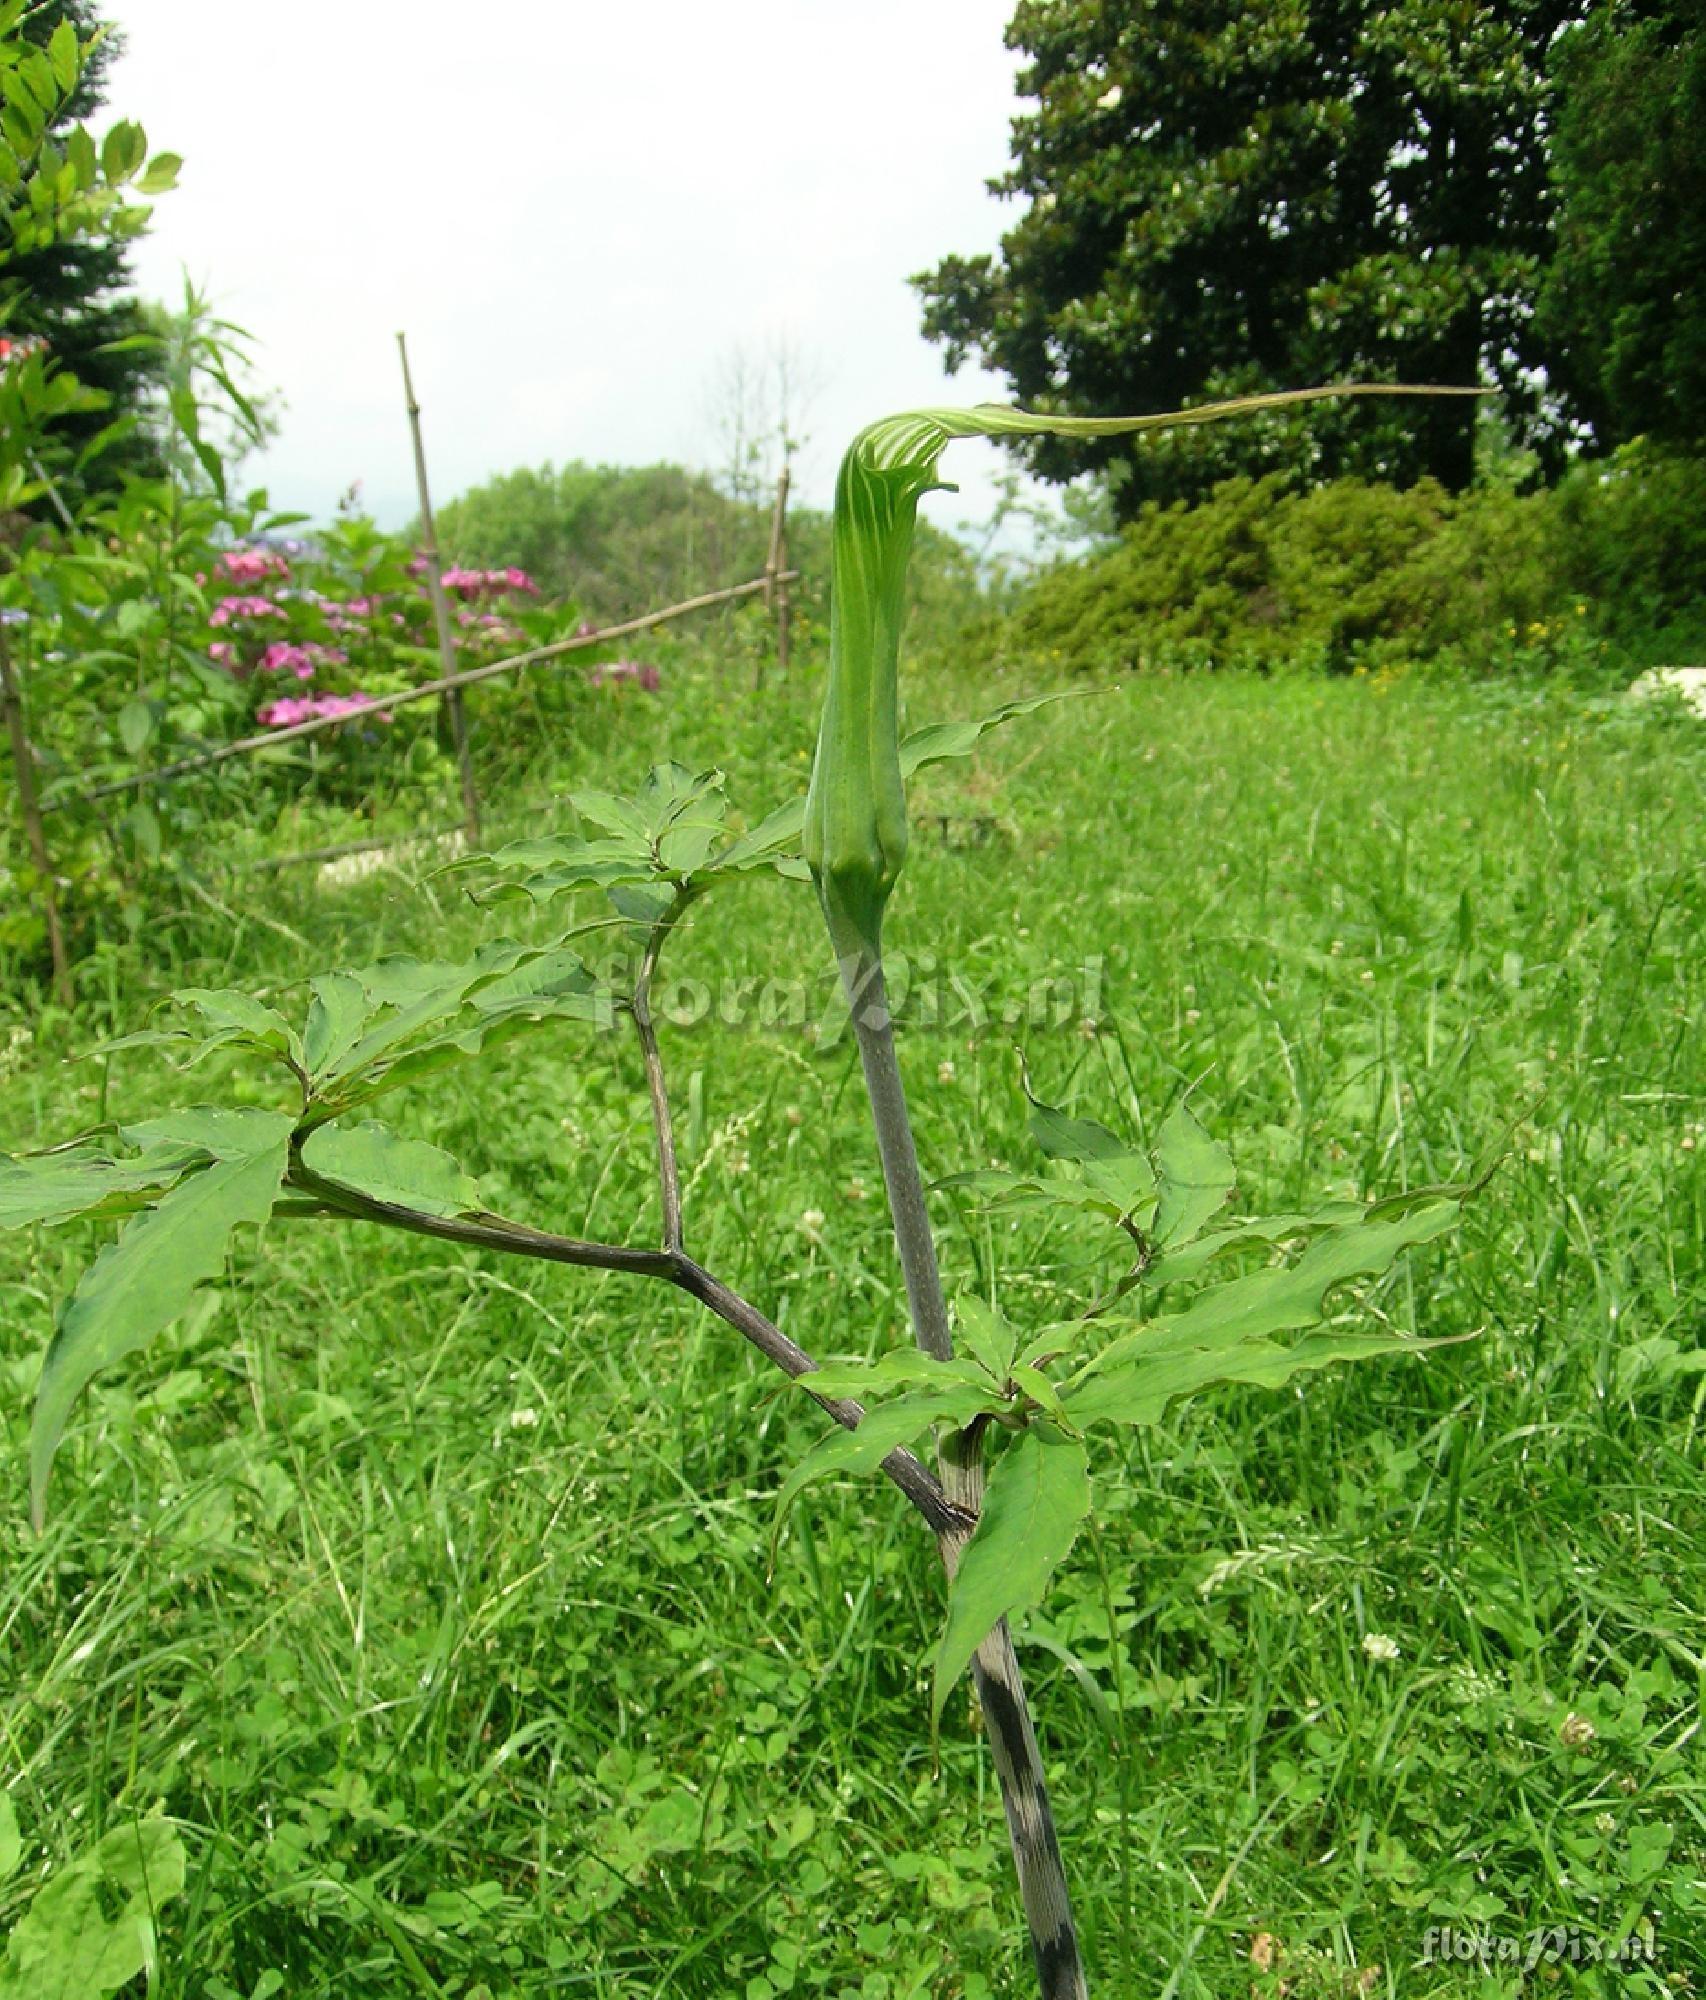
(407, 995)
(984, 1333)
(1063, 1138)
(371, 1030)
(223, 1133)
(1225, 1335)
(1105, 1175)
(90, 1928)
(1195, 1174)
(262, 1027)
(402, 1019)
(441, 1052)
(900, 1368)
(556, 866)
(140, 1283)
(664, 833)
(1036, 1501)
(890, 1424)
(233, 1020)
(85, 1180)
(1185, 1260)
(407, 1173)
(335, 1016)
(772, 843)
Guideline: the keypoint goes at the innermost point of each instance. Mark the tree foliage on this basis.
(1225, 198)
(622, 540)
(74, 293)
(1624, 302)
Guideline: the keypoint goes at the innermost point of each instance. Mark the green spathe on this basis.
(855, 827)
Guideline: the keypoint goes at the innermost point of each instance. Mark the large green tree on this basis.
(1223, 196)
(1623, 307)
(74, 293)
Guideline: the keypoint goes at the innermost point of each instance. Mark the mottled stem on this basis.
(1037, 1858)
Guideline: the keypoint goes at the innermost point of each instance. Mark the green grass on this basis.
(428, 1592)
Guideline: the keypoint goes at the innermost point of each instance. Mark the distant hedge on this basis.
(1609, 565)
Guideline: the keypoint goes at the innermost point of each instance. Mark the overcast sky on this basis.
(577, 212)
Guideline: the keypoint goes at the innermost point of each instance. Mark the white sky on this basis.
(577, 212)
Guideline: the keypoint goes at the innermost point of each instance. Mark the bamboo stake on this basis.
(248, 746)
(441, 614)
(775, 583)
(24, 769)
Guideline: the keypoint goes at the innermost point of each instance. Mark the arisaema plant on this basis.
(1206, 1296)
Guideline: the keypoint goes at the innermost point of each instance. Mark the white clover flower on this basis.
(811, 1225)
(523, 1420)
(1379, 1646)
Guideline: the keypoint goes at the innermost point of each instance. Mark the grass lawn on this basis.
(429, 1593)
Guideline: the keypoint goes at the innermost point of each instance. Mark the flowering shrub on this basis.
(358, 619)
(470, 583)
(292, 709)
(303, 661)
(229, 608)
(252, 565)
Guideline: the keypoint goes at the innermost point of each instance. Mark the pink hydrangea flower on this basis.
(467, 583)
(282, 657)
(251, 565)
(292, 709)
(243, 607)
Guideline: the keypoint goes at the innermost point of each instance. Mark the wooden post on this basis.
(453, 708)
(24, 770)
(775, 584)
